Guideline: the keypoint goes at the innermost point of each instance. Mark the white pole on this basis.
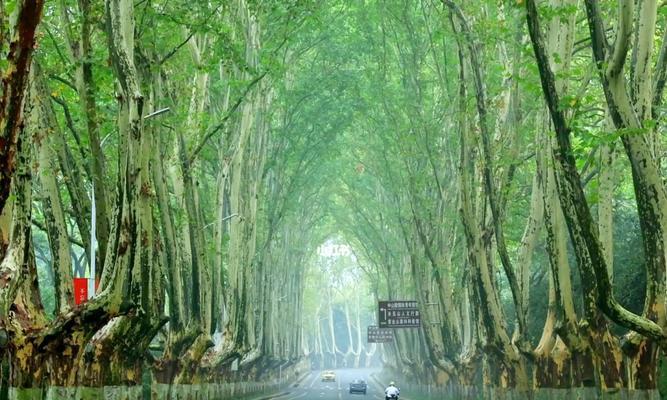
(93, 222)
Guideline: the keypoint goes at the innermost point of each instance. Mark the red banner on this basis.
(80, 290)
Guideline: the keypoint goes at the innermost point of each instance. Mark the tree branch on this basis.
(63, 81)
(224, 120)
(623, 34)
(192, 33)
(71, 238)
(72, 128)
(175, 49)
(660, 76)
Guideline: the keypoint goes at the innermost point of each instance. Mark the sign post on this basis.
(398, 314)
(93, 239)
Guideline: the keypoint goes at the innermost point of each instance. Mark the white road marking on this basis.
(294, 396)
(307, 390)
(314, 379)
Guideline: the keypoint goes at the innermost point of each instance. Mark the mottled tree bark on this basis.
(14, 84)
(131, 264)
(80, 54)
(583, 233)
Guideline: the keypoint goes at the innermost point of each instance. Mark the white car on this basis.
(328, 376)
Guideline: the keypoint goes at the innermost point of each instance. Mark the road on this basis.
(312, 388)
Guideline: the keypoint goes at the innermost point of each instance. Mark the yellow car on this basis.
(328, 376)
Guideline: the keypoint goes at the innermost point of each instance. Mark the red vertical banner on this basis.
(80, 290)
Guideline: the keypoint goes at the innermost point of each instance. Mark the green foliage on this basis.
(45, 273)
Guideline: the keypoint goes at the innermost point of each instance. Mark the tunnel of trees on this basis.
(242, 180)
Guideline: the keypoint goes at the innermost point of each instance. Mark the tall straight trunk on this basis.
(606, 205)
(241, 233)
(131, 262)
(179, 336)
(421, 274)
(175, 287)
(244, 328)
(200, 269)
(239, 330)
(19, 291)
(505, 367)
(246, 149)
(359, 347)
(220, 231)
(22, 38)
(80, 54)
(491, 192)
(221, 225)
(551, 356)
(5, 227)
(529, 240)
(334, 350)
(73, 177)
(54, 216)
(188, 346)
(469, 352)
(258, 158)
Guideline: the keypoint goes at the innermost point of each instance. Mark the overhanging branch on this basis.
(224, 120)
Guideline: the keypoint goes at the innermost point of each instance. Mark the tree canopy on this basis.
(202, 192)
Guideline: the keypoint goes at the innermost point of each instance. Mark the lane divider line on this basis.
(315, 378)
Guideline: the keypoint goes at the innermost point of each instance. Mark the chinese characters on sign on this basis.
(80, 290)
(379, 335)
(398, 314)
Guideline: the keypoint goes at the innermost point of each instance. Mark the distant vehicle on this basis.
(391, 392)
(358, 386)
(328, 376)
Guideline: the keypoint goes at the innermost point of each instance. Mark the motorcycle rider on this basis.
(391, 392)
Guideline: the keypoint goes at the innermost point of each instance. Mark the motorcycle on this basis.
(391, 397)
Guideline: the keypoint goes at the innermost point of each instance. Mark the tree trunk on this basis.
(14, 85)
(504, 367)
(52, 207)
(131, 263)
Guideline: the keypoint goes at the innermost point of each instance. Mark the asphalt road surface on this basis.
(312, 387)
